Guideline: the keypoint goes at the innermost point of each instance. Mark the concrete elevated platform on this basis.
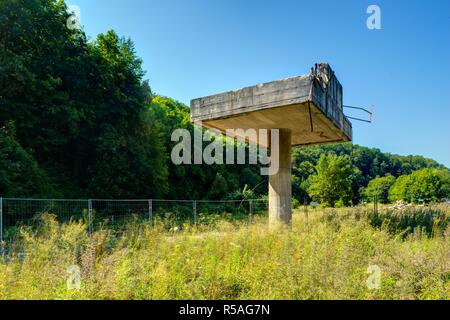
(306, 110)
(309, 106)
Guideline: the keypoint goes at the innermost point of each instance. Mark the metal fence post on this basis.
(1, 221)
(90, 215)
(375, 204)
(250, 216)
(150, 212)
(378, 200)
(194, 210)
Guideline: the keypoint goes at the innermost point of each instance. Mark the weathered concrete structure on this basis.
(307, 109)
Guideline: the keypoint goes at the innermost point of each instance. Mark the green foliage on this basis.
(379, 187)
(400, 189)
(332, 183)
(427, 185)
(78, 106)
(245, 193)
(367, 163)
(20, 175)
(199, 181)
(219, 187)
(422, 186)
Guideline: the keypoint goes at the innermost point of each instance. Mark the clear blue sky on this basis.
(196, 48)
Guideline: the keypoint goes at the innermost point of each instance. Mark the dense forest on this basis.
(78, 119)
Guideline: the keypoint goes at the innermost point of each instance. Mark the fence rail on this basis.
(96, 213)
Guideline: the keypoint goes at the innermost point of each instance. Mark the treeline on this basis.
(79, 120)
(422, 186)
(345, 174)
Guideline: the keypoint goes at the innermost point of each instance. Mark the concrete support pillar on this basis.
(280, 187)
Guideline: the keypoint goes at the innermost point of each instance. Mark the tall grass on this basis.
(323, 256)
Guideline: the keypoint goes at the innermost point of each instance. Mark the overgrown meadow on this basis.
(327, 254)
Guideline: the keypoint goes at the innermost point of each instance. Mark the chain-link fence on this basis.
(114, 214)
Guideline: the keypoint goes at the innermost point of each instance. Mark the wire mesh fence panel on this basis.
(18, 213)
(211, 211)
(173, 213)
(260, 208)
(115, 213)
(233, 211)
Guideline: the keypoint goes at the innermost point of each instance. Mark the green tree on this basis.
(20, 174)
(196, 181)
(367, 163)
(426, 185)
(399, 190)
(219, 187)
(379, 187)
(332, 183)
(129, 149)
(79, 107)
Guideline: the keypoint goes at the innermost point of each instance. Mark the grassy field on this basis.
(326, 255)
